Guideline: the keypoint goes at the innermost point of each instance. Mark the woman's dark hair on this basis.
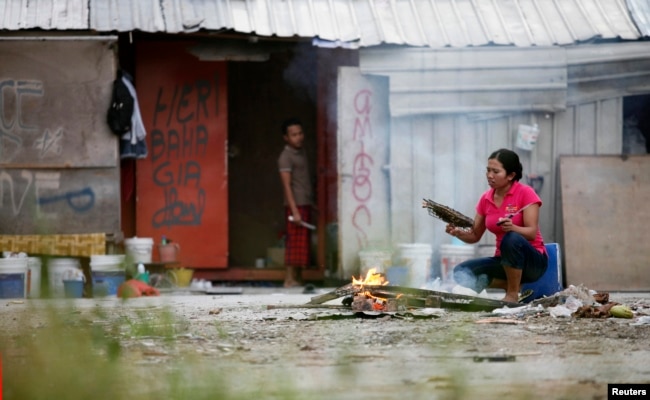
(510, 161)
(288, 122)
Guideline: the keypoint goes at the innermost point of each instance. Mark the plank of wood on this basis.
(605, 214)
(334, 294)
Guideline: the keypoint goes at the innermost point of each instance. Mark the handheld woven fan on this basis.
(449, 215)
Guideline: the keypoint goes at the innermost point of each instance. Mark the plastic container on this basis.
(378, 259)
(59, 269)
(182, 277)
(452, 255)
(107, 262)
(397, 276)
(108, 273)
(169, 252)
(13, 278)
(417, 258)
(73, 289)
(34, 280)
(139, 249)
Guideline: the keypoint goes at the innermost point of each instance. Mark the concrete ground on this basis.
(265, 344)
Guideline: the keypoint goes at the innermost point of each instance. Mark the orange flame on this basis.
(373, 278)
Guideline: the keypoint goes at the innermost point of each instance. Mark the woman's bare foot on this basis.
(511, 298)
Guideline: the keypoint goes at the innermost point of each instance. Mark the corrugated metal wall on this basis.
(487, 79)
(443, 157)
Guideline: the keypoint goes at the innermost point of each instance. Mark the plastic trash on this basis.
(560, 312)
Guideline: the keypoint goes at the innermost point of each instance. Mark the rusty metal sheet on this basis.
(54, 95)
(38, 201)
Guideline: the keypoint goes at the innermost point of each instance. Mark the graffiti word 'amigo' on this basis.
(179, 107)
(362, 107)
(177, 212)
(192, 142)
(360, 212)
(362, 185)
(166, 175)
(362, 174)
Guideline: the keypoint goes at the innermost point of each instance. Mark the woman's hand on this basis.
(453, 230)
(505, 223)
(468, 235)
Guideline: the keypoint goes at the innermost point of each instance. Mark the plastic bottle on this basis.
(164, 240)
(142, 274)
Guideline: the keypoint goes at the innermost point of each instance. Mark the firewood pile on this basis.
(379, 295)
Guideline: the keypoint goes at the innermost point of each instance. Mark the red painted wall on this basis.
(182, 185)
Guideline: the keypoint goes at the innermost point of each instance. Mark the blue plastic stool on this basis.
(551, 282)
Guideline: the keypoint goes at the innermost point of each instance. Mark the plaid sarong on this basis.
(297, 242)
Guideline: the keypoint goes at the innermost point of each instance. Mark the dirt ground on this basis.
(288, 351)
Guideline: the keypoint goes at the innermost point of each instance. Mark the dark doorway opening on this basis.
(261, 95)
(636, 124)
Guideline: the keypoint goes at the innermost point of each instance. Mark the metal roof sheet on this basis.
(640, 14)
(432, 23)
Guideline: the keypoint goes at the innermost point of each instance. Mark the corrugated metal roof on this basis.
(433, 23)
(640, 14)
(43, 14)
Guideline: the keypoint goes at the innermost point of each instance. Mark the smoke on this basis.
(300, 73)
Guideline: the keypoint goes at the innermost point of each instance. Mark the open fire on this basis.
(364, 300)
(375, 294)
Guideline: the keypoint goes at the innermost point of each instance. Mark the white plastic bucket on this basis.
(109, 262)
(57, 270)
(378, 259)
(34, 281)
(13, 278)
(107, 273)
(417, 258)
(452, 255)
(139, 249)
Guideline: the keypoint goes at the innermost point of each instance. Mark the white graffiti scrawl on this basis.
(46, 189)
(13, 95)
(49, 142)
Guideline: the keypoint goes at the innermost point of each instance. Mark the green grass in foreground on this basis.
(60, 353)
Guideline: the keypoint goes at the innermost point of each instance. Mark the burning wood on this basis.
(373, 293)
(363, 299)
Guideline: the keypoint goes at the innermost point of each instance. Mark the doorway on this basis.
(636, 124)
(261, 95)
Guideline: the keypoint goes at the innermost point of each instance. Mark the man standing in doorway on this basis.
(296, 183)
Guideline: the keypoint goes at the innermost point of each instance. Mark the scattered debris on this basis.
(645, 320)
(498, 358)
(496, 320)
(136, 288)
(373, 297)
